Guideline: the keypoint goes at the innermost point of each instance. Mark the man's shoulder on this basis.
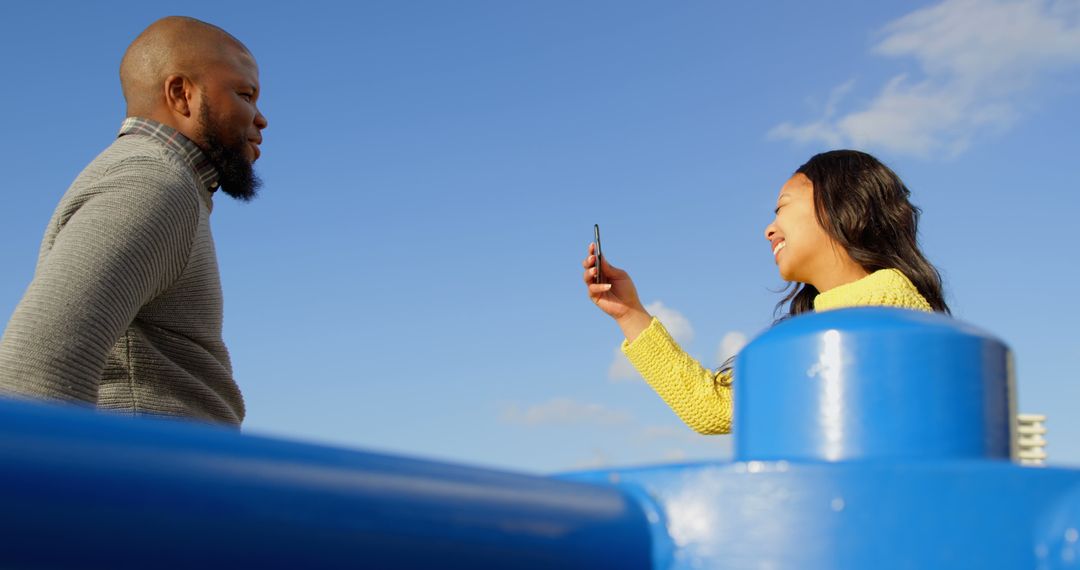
(132, 153)
(133, 173)
(140, 165)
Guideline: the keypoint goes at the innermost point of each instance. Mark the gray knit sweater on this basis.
(125, 309)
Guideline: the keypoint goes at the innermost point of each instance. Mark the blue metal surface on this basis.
(80, 489)
(1057, 533)
(865, 438)
(869, 514)
(872, 383)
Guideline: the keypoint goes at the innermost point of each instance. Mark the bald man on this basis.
(125, 309)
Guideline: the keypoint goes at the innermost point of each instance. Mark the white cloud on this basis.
(730, 345)
(620, 368)
(978, 59)
(660, 444)
(597, 459)
(675, 323)
(563, 411)
(671, 438)
(676, 433)
(674, 455)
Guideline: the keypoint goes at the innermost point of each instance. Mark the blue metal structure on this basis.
(873, 383)
(865, 438)
(85, 490)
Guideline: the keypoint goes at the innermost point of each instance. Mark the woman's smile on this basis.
(778, 245)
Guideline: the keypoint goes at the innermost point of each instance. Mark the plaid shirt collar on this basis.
(171, 138)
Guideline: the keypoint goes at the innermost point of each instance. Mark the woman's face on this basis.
(801, 248)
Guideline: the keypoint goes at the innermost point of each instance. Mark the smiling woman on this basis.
(844, 235)
(802, 249)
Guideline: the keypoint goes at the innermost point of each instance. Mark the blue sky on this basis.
(409, 279)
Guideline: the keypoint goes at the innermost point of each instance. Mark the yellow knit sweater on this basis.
(702, 397)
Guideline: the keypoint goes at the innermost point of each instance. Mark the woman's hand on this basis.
(617, 296)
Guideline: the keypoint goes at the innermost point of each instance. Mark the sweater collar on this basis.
(873, 285)
(178, 143)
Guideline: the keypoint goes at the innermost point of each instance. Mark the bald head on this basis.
(174, 45)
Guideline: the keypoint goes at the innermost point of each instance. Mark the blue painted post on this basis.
(873, 383)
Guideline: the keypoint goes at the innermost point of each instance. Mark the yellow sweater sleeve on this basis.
(701, 397)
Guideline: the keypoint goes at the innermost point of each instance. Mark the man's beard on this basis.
(235, 174)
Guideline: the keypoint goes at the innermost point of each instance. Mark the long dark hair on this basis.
(864, 206)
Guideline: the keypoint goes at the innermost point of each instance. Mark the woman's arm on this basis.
(699, 396)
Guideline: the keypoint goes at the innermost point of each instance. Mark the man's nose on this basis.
(260, 120)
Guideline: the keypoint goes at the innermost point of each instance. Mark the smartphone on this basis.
(596, 236)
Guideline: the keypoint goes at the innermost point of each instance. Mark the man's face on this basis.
(230, 122)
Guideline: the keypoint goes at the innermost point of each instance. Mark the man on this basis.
(125, 309)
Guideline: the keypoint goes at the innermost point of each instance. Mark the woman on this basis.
(844, 235)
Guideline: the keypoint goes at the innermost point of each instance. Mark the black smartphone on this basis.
(596, 236)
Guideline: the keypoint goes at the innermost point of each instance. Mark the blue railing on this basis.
(865, 438)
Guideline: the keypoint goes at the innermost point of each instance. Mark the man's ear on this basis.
(179, 95)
